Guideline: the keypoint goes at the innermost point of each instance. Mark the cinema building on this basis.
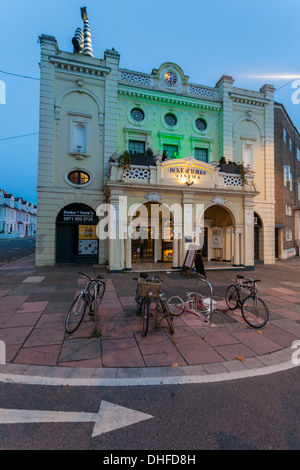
(103, 132)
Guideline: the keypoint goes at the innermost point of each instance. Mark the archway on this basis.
(76, 238)
(151, 233)
(219, 234)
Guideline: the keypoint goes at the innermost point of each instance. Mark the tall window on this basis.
(136, 146)
(284, 136)
(172, 150)
(287, 177)
(201, 154)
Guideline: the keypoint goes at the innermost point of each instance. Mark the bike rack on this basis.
(211, 296)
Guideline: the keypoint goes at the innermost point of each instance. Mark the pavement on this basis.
(34, 303)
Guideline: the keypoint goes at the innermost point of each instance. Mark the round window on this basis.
(78, 177)
(170, 119)
(200, 124)
(137, 114)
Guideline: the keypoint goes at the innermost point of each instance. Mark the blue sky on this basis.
(251, 41)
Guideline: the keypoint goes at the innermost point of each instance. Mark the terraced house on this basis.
(158, 149)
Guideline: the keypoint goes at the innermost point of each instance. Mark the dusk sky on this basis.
(255, 42)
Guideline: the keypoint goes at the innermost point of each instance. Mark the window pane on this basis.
(170, 119)
(201, 154)
(78, 177)
(172, 150)
(136, 146)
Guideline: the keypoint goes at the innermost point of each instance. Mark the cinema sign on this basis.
(188, 170)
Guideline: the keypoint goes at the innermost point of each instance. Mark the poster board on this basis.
(193, 257)
(200, 269)
(188, 262)
(87, 240)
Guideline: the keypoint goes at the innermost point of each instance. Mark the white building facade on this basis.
(17, 217)
(95, 115)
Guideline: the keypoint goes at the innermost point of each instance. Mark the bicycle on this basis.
(196, 303)
(138, 297)
(148, 290)
(91, 296)
(254, 310)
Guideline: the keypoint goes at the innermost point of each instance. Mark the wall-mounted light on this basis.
(188, 183)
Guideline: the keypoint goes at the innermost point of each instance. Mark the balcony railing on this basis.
(210, 176)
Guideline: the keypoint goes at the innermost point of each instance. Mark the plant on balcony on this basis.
(149, 152)
(233, 167)
(125, 161)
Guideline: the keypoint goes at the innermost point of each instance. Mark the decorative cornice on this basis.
(249, 100)
(167, 99)
(73, 66)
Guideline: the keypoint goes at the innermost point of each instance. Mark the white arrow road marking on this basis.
(108, 418)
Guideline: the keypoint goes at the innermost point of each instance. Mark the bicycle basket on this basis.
(149, 286)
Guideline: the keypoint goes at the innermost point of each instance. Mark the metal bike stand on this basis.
(211, 296)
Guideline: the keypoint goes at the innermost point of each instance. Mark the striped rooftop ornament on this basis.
(77, 41)
(87, 41)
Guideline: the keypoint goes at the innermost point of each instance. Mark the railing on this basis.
(144, 175)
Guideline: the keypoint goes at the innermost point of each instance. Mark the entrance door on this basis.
(204, 251)
(76, 238)
(276, 242)
(64, 243)
(143, 248)
(257, 229)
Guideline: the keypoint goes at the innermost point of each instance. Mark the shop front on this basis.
(76, 235)
(183, 202)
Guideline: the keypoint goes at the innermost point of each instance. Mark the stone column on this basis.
(236, 257)
(175, 253)
(128, 252)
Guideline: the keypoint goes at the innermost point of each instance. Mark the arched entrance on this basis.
(153, 239)
(220, 235)
(76, 238)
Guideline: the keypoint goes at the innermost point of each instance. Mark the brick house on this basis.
(287, 184)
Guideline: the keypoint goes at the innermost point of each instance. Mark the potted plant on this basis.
(125, 160)
(228, 167)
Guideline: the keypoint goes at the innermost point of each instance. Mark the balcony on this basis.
(178, 172)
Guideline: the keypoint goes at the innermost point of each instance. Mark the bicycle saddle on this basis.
(100, 276)
(239, 276)
(143, 275)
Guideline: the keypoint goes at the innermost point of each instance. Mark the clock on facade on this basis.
(170, 78)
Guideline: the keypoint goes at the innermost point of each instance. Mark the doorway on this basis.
(76, 237)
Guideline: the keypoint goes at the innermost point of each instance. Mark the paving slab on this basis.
(34, 303)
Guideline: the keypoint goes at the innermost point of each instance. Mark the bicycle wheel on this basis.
(196, 302)
(145, 310)
(176, 305)
(75, 314)
(232, 297)
(254, 311)
(167, 315)
(99, 297)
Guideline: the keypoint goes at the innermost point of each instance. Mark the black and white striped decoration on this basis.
(87, 39)
(78, 41)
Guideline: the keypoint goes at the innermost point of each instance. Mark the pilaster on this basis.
(225, 126)
(111, 106)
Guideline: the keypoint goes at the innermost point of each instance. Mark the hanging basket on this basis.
(149, 286)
